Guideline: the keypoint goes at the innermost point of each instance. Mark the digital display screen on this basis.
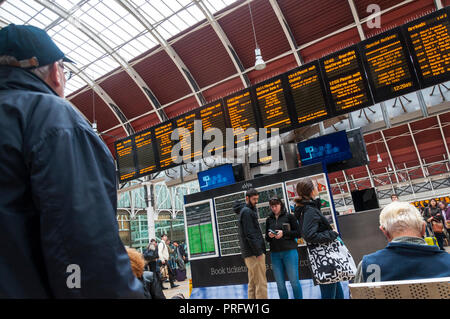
(346, 81)
(428, 39)
(164, 144)
(125, 160)
(200, 231)
(145, 153)
(327, 149)
(272, 105)
(213, 116)
(241, 115)
(389, 67)
(190, 153)
(216, 177)
(308, 93)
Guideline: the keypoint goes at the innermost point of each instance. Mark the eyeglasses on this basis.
(68, 74)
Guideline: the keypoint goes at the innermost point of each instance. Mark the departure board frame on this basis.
(327, 80)
(323, 92)
(133, 152)
(437, 79)
(157, 145)
(401, 87)
(259, 113)
(224, 118)
(213, 226)
(252, 108)
(196, 116)
(155, 153)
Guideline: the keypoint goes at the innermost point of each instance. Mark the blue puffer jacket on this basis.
(57, 200)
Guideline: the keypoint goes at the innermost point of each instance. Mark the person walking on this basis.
(282, 232)
(252, 245)
(163, 253)
(315, 227)
(58, 200)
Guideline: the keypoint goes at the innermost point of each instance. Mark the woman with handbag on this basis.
(433, 216)
(318, 234)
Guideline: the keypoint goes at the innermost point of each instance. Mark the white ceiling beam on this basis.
(225, 42)
(357, 21)
(127, 5)
(287, 31)
(77, 23)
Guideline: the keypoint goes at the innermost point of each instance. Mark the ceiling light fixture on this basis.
(259, 63)
(379, 160)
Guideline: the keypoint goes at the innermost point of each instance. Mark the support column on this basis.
(150, 211)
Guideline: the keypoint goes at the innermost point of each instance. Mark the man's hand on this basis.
(260, 256)
(163, 262)
(271, 235)
(279, 234)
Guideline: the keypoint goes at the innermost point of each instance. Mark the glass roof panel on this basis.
(115, 30)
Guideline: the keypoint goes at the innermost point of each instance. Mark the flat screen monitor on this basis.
(216, 177)
(327, 149)
(365, 199)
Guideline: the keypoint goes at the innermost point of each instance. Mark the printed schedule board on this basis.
(389, 68)
(307, 93)
(428, 39)
(346, 81)
(241, 114)
(272, 105)
(201, 231)
(125, 159)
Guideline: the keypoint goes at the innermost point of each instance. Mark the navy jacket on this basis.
(250, 236)
(405, 261)
(57, 199)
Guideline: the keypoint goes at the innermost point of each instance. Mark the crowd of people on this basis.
(407, 255)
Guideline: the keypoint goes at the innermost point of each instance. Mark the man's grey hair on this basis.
(43, 72)
(398, 217)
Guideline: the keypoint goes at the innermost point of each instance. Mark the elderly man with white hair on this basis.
(407, 256)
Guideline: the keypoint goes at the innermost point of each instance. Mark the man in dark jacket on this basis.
(58, 199)
(407, 256)
(252, 245)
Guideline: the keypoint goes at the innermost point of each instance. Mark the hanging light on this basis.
(379, 160)
(259, 63)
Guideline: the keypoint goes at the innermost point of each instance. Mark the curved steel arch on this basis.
(129, 130)
(127, 5)
(225, 41)
(77, 23)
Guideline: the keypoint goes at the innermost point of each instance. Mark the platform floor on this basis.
(183, 288)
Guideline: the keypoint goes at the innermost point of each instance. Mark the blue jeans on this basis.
(332, 291)
(286, 261)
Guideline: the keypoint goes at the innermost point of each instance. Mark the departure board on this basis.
(428, 39)
(272, 104)
(187, 121)
(125, 160)
(389, 67)
(241, 114)
(145, 153)
(164, 144)
(213, 116)
(345, 81)
(308, 93)
(200, 227)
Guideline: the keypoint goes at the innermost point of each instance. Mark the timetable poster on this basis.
(272, 105)
(346, 81)
(145, 153)
(241, 115)
(188, 151)
(428, 39)
(389, 67)
(201, 235)
(164, 144)
(125, 159)
(213, 116)
(308, 93)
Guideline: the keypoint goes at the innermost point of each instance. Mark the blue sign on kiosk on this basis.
(216, 177)
(327, 149)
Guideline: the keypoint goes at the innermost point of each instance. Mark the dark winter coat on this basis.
(288, 241)
(250, 235)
